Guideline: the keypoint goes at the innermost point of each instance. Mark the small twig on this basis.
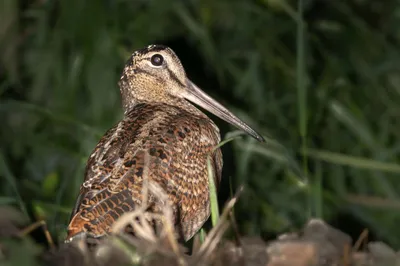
(139, 219)
(235, 229)
(42, 223)
(363, 238)
(216, 233)
(346, 255)
(167, 219)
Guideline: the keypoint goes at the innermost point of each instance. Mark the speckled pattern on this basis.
(176, 136)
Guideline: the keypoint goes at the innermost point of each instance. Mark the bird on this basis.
(159, 123)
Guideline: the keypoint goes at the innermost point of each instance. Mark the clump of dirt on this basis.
(316, 244)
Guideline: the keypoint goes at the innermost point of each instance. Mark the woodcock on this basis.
(160, 123)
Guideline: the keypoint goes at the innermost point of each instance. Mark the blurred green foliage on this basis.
(319, 77)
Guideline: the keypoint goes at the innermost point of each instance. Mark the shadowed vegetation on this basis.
(320, 78)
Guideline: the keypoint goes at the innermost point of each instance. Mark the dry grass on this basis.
(162, 240)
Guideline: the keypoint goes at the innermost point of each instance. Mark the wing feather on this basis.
(177, 144)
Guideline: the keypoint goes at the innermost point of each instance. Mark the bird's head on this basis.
(155, 74)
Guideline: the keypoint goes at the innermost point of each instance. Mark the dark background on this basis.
(323, 83)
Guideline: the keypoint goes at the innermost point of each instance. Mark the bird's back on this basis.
(176, 143)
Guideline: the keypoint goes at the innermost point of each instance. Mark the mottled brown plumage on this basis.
(175, 136)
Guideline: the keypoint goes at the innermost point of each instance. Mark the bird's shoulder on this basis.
(158, 129)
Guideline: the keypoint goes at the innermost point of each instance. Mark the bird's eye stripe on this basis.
(174, 77)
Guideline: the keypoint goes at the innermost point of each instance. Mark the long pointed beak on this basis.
(199, 97)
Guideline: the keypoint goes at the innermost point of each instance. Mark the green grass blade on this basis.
(11, 180)
(212, 187)
(300, 74)
(280, 154)
(353, 161)
(213, 194)
(7, 200)
(11, 105)
(202, 235)
(301, 86)
(359, 129)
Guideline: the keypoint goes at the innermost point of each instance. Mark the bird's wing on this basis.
(176, 145)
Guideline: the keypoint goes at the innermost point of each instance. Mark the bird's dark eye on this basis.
(157, 60)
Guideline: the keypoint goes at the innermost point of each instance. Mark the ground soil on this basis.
(316, 244)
